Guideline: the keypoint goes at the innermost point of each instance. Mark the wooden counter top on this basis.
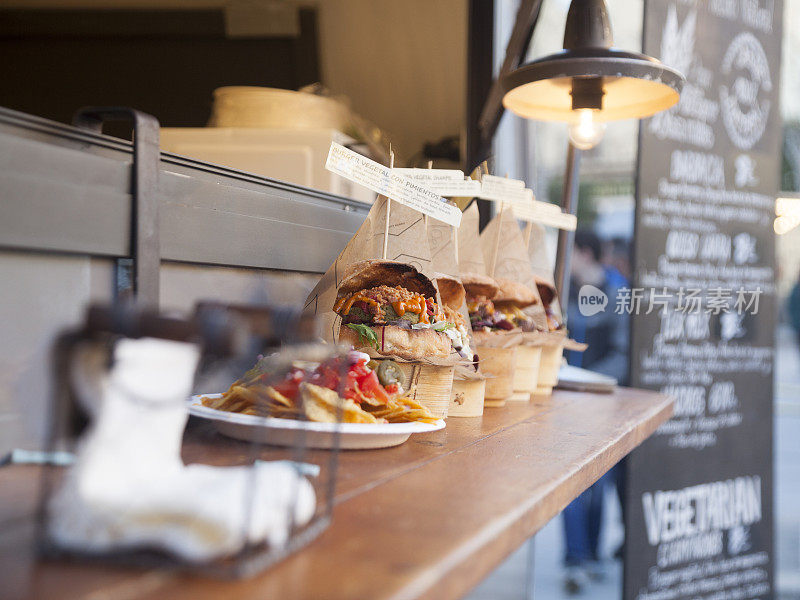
(428, 519)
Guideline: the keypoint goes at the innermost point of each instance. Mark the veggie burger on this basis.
(496, 305)
(389, 308)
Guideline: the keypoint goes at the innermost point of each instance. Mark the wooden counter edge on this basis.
(465, 574)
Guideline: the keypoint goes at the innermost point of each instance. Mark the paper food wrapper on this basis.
(553, 338)
(497, 339)
(570, 344)
(470, 255)
(407, 243)
(541, 265)
(536, 338)
(511, 261)
(470, 260)
(441, 240)
(542, 269)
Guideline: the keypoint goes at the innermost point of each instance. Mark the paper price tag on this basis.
(544, 213)
(385, 181)
(445, 182)
(502, 189)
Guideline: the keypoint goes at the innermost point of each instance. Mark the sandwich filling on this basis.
(485, 316)
(396, 306)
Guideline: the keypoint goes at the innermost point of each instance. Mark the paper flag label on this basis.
(385, 181)
(445, 182)
(502, 189)
(544, 213)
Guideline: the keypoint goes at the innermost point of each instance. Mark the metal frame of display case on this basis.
(68, 190)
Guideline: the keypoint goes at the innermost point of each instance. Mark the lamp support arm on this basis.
(569, 204)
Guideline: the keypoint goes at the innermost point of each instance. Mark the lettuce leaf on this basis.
(365, 334)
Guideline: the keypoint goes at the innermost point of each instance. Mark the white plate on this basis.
(289, 432)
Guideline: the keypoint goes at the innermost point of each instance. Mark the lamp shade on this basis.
(589, 73)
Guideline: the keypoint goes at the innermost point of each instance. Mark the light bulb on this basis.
(787, 206)
(586, 133)
(784, 224)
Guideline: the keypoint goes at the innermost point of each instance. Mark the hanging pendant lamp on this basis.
(589, 81)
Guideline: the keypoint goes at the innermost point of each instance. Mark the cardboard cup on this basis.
(526, 372)
(548, 368)
(432, 385)
(466, 399)
(497, 364)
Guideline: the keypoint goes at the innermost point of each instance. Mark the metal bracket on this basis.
(145, 249)
(566, 239)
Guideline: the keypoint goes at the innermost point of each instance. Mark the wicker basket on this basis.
(549, 367)
(497, 364)
(466, 399)
(431, 385)
(526, 372)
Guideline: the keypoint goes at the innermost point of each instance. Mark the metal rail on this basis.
(68, 190)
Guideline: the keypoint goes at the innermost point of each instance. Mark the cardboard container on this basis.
(432, 385)
(549, 367)
(497, 364)
(467, 397)
(251, 106)
(526, 372)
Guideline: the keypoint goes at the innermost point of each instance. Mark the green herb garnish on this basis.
(365, 334)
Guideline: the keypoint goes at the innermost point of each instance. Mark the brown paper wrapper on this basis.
(535, 338)
(407, 243)
(541, 265)
(497, 339)
(512, 261)
(442, 248)
(570, 344)
(470, 255)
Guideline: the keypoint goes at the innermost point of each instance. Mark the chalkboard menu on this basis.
(698, 507)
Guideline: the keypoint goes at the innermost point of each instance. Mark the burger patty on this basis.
(387, 305)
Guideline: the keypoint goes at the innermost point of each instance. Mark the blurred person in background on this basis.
(619, 270)
(793, 308)
(617, 261)
(607, 335)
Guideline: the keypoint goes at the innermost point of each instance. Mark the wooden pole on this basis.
(425, 217)
(425, 221)
(497, 237)
(388, 211)
(455, 244)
